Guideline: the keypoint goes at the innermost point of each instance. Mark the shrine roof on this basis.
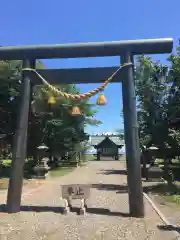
(96, 140)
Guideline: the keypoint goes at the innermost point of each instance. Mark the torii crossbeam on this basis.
(125, 50)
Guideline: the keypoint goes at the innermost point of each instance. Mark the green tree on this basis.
(9, 96)
(51, 124)
(151, 89)
(60, 130)
(10, 80)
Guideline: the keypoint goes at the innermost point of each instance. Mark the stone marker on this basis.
(76, 191)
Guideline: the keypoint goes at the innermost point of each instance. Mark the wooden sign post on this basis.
(76, 191)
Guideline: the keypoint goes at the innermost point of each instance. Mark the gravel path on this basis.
(107, 217)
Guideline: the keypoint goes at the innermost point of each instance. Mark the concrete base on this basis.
(70, 207)
(82, 211)
(66, 210)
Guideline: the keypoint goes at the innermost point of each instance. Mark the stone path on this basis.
(107, 217)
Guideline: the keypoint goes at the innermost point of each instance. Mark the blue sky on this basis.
(67, 21)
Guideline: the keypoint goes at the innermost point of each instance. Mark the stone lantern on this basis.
(41, 169)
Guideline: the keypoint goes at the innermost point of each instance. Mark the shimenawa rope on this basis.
(81, 95)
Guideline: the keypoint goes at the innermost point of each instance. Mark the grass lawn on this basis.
(61, 171)
(167, 193)
(89, 158)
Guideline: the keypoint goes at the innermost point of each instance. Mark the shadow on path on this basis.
(157, 188)
(113, 171)
(169, 228)
(56, 209)
(111, 187)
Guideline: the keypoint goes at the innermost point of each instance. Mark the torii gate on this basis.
(126, 50)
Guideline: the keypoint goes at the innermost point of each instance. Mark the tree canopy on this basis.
(52, 124)
(157, 88)
(158, 109)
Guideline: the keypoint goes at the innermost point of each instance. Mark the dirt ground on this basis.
(106, 218)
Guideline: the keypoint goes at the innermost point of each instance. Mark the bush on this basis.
(5, 165)
(6, 162)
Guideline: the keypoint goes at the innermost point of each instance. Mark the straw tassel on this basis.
(75, 111)
(51, 100)
(101, 100)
